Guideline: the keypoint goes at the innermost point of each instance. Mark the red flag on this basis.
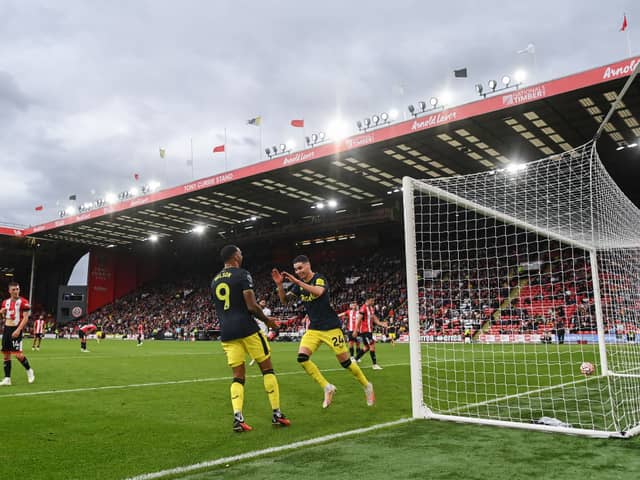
(297, 123)
(624, 23)
(39, 208)
(136, 176)
(218, 149)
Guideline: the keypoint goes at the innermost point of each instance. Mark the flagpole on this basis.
(260, 146)
(226, 168)
(193, 176)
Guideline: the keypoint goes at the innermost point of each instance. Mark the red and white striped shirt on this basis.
(352, 318)
(38, 326)
(14, 310)
(89, 328)
(366, 325)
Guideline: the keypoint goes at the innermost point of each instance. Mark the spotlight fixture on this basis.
(311, 140)
(384, 116)
(434, 102)
(283, 148)
(411, 109)
(359, 125)
(422, 106)
(321, 136)
(268, 150)
(375, 119)
(506, 84)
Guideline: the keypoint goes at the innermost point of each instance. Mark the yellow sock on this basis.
(237, 396)
(273, 391)
(314, 372)
(356, 371)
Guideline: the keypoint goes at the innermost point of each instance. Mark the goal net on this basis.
(516, 278)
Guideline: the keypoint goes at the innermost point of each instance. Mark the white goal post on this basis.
(515, 279)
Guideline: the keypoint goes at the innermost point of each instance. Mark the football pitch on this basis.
(123, 411)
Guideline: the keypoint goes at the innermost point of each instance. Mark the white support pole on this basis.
(602, 348)
(412, 299)
(32, 277)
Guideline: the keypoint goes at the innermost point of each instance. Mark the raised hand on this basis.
(276, 276)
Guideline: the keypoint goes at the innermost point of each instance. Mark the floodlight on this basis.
(479, 88)
(199, 229)
(433, 101)
(268, 150)
(308, 140)
(506, 80)
(375, 119)
(359, 125)
(422, 105)
(314, 137)
(153, 238)
(411, 109)
(274, 149)
(393, 113)
(520, 76)
(332, 203)
(283, 147)
(110, 198)
(367, 122)
(492, 84)
(384, 116)
(319, 206)
(321, 136)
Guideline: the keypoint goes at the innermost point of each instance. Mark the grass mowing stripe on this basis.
(266, 451)
(170, 382)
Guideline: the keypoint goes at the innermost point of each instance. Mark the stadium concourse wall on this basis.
(113, 274)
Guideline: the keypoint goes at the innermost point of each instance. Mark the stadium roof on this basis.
(363, 173)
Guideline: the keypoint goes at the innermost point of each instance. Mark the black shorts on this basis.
(39, 335)
(11, 344)
(350, 337)
(367, 338)
(81, 335)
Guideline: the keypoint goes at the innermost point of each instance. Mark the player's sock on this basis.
(352, 350)
(25, 363)
(373, 356)
(7, 369)
(360, 354)
(272, 388)
(313, 371)
(237, 394)
(83, 345)
(356, 371)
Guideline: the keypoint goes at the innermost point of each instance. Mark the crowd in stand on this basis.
(517, 293)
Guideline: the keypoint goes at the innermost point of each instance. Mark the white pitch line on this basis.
(171, 382)
(266, 451)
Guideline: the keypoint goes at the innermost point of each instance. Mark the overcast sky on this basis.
(90, 90)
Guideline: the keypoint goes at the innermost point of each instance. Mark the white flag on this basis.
(531, 48)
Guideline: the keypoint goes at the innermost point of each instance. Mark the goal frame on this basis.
(419, 408)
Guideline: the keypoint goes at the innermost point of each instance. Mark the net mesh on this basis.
(508, 306)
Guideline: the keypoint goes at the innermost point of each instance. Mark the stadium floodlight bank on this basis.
(506, 257)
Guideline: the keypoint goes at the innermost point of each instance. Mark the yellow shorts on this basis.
(392, 336)
(256, 345)
(334, 338)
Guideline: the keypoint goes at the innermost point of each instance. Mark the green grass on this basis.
(166, 404)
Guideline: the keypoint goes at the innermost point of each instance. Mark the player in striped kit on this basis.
(365, 330)
(15, 311)
(38, 332)
(140, 334)
(83, 331)
(351, 323)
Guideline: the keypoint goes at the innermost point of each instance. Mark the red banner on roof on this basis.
(498, 102)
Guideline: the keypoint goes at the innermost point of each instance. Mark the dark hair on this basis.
(13, 283)
(227, 252)
(301, 259)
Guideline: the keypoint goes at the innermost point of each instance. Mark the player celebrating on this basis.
(352, 320)
(15, 311)
(38, 332)
(83, 331)
(365, 329)
(236, 305)
(324, 326)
